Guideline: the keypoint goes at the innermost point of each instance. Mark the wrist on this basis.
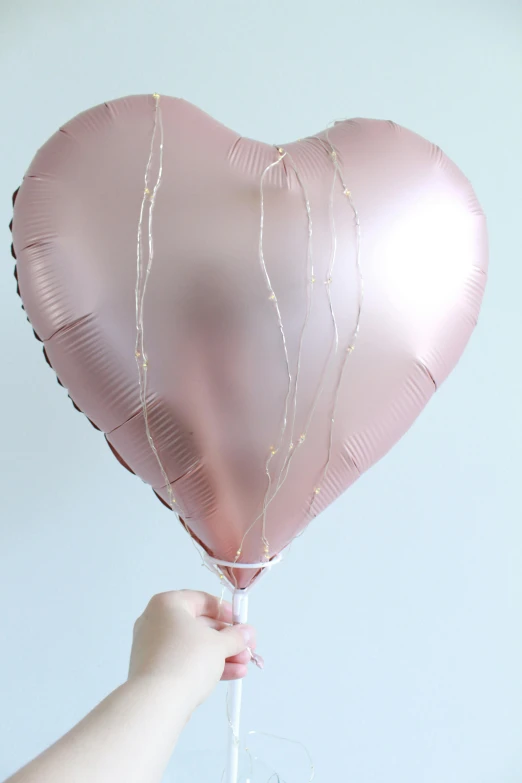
(168, 695)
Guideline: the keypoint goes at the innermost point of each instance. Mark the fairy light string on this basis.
(310, 280)
(338, 176)
(291, 742)
(148, 203)
(355, 333)
(252, 758)
(272, 298)
(331, 353)
(143, 270)
(310, 283)
(147, 206)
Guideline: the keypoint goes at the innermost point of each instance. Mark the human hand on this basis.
(186, 638)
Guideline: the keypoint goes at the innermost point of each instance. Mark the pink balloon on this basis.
(335, 278)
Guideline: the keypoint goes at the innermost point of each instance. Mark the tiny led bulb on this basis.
(350, 349)
(238, 553)
(333, 154)
(302, 438)
(313, 279)
(281, 150)
(317, 490)
(347, 192)
(137, 354)
(328, 281)
(156, 96)
(147, 192)
(272, 297)
(273, 450)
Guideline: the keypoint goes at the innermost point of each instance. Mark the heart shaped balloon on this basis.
(251, 326)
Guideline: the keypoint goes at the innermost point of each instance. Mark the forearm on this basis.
(129, 737)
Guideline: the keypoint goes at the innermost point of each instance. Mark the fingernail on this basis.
(246, 634)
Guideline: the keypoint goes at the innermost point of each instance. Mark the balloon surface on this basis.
(251, 326)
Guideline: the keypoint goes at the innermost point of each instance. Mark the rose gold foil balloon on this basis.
(275, 289)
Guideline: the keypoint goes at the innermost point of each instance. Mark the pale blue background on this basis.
(393, 632)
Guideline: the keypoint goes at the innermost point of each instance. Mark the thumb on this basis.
(236, 639)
